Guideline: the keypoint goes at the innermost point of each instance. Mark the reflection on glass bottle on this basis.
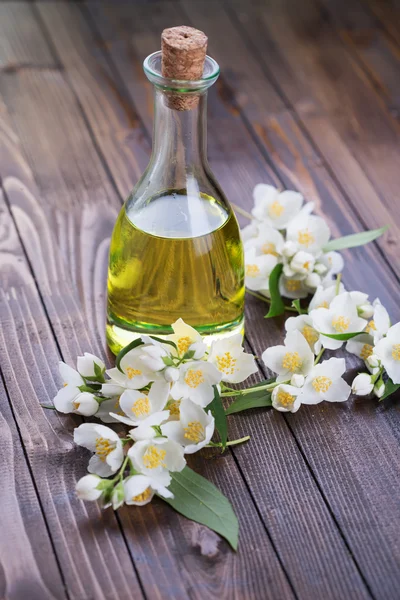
(176, 248)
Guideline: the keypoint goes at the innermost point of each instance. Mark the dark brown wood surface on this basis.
(307, 99)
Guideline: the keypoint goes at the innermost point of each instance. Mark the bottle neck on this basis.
(179, 139)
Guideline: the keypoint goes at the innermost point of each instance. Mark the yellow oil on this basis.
(179, 256)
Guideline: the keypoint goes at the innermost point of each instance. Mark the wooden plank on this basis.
(388, 12)
(303, 579)
(334, 99)
(169, 551)
(297, 162)
(21, 42)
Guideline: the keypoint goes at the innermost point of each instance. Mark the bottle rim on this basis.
(152, 69)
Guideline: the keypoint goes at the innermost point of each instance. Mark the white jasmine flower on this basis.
(274, 207)
(140, 489)
(194, 429)
(340, 317)
(196, 380)
(295, 357)
(137, 406)
(135, 373)
(320, 268)
(250, 231)
(84, 404)
(380, 324)
(258, 269)
(72, 381)
(362, 385)
(361, 345)
(86, 365)
(185, 337)
(304, 324)
(87, 488)
(311, 233)
(379, 389)
(156, 458)
(152, 357)
(285, 398)
(109, 406)
(110, 390)
(171, 374)
(297, 380)
(312, 281)
(302, 263)
(388, 351)
(268, 241)
(373, 361)
(292, 287)
(333, 263)
(365, 311)
(289, 249)
(359, 298)
(231, 360)
(324, 296)
(147, 429)
(105, 443)
(325, 382)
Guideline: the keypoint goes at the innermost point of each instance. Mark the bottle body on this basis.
(176, 250)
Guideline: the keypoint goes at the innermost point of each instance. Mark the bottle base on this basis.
(119, 337)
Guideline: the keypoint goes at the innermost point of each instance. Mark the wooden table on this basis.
(308, 99)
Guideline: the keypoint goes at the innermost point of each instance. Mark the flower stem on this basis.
(338, 280)
(232, 443)
(319, 355)
(267, 386)
(268, 301)
(48, 406)
(241, 211)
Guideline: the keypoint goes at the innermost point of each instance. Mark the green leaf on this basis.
(342, 337)
(169, 342)
(199, 500)
(217, 410)
(296, 305)
(356, 239)
(128, 348)
(390, 388)
(277, 306)
(189, 355)
(256, 399)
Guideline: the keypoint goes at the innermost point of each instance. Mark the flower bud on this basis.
(313, 280)
(320, 269)
(373, 361)
(362, 385)
(86, 365)
(302, 262)
(86, 488)
(289, 249)
(288, 271)
(297, 380)
(379, 389)
(366, 311)
(171, 374)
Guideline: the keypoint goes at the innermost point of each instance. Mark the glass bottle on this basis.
(176, 250)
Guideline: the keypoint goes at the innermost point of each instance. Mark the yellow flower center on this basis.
(269, 248)
(340, 324)
(174, 407)
(323, 304)
(118, 409)
(183, 344)
(371, 326)
(131, 373)
(305, 238)
(275, 209)
(252, 270)
(194, 432)
(366, 351)
(310, 334)
(293, 285)
(292, 361)
(153, 457)
(104, 447)
(65, 384)
(141, 407)
(321, 383)
(226, 363)
(76, 405)
(194, 378)
(396, 352)
(285, 399)
(306, 265)
(143, 496)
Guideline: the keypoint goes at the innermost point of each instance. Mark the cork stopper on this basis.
(183, 51)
